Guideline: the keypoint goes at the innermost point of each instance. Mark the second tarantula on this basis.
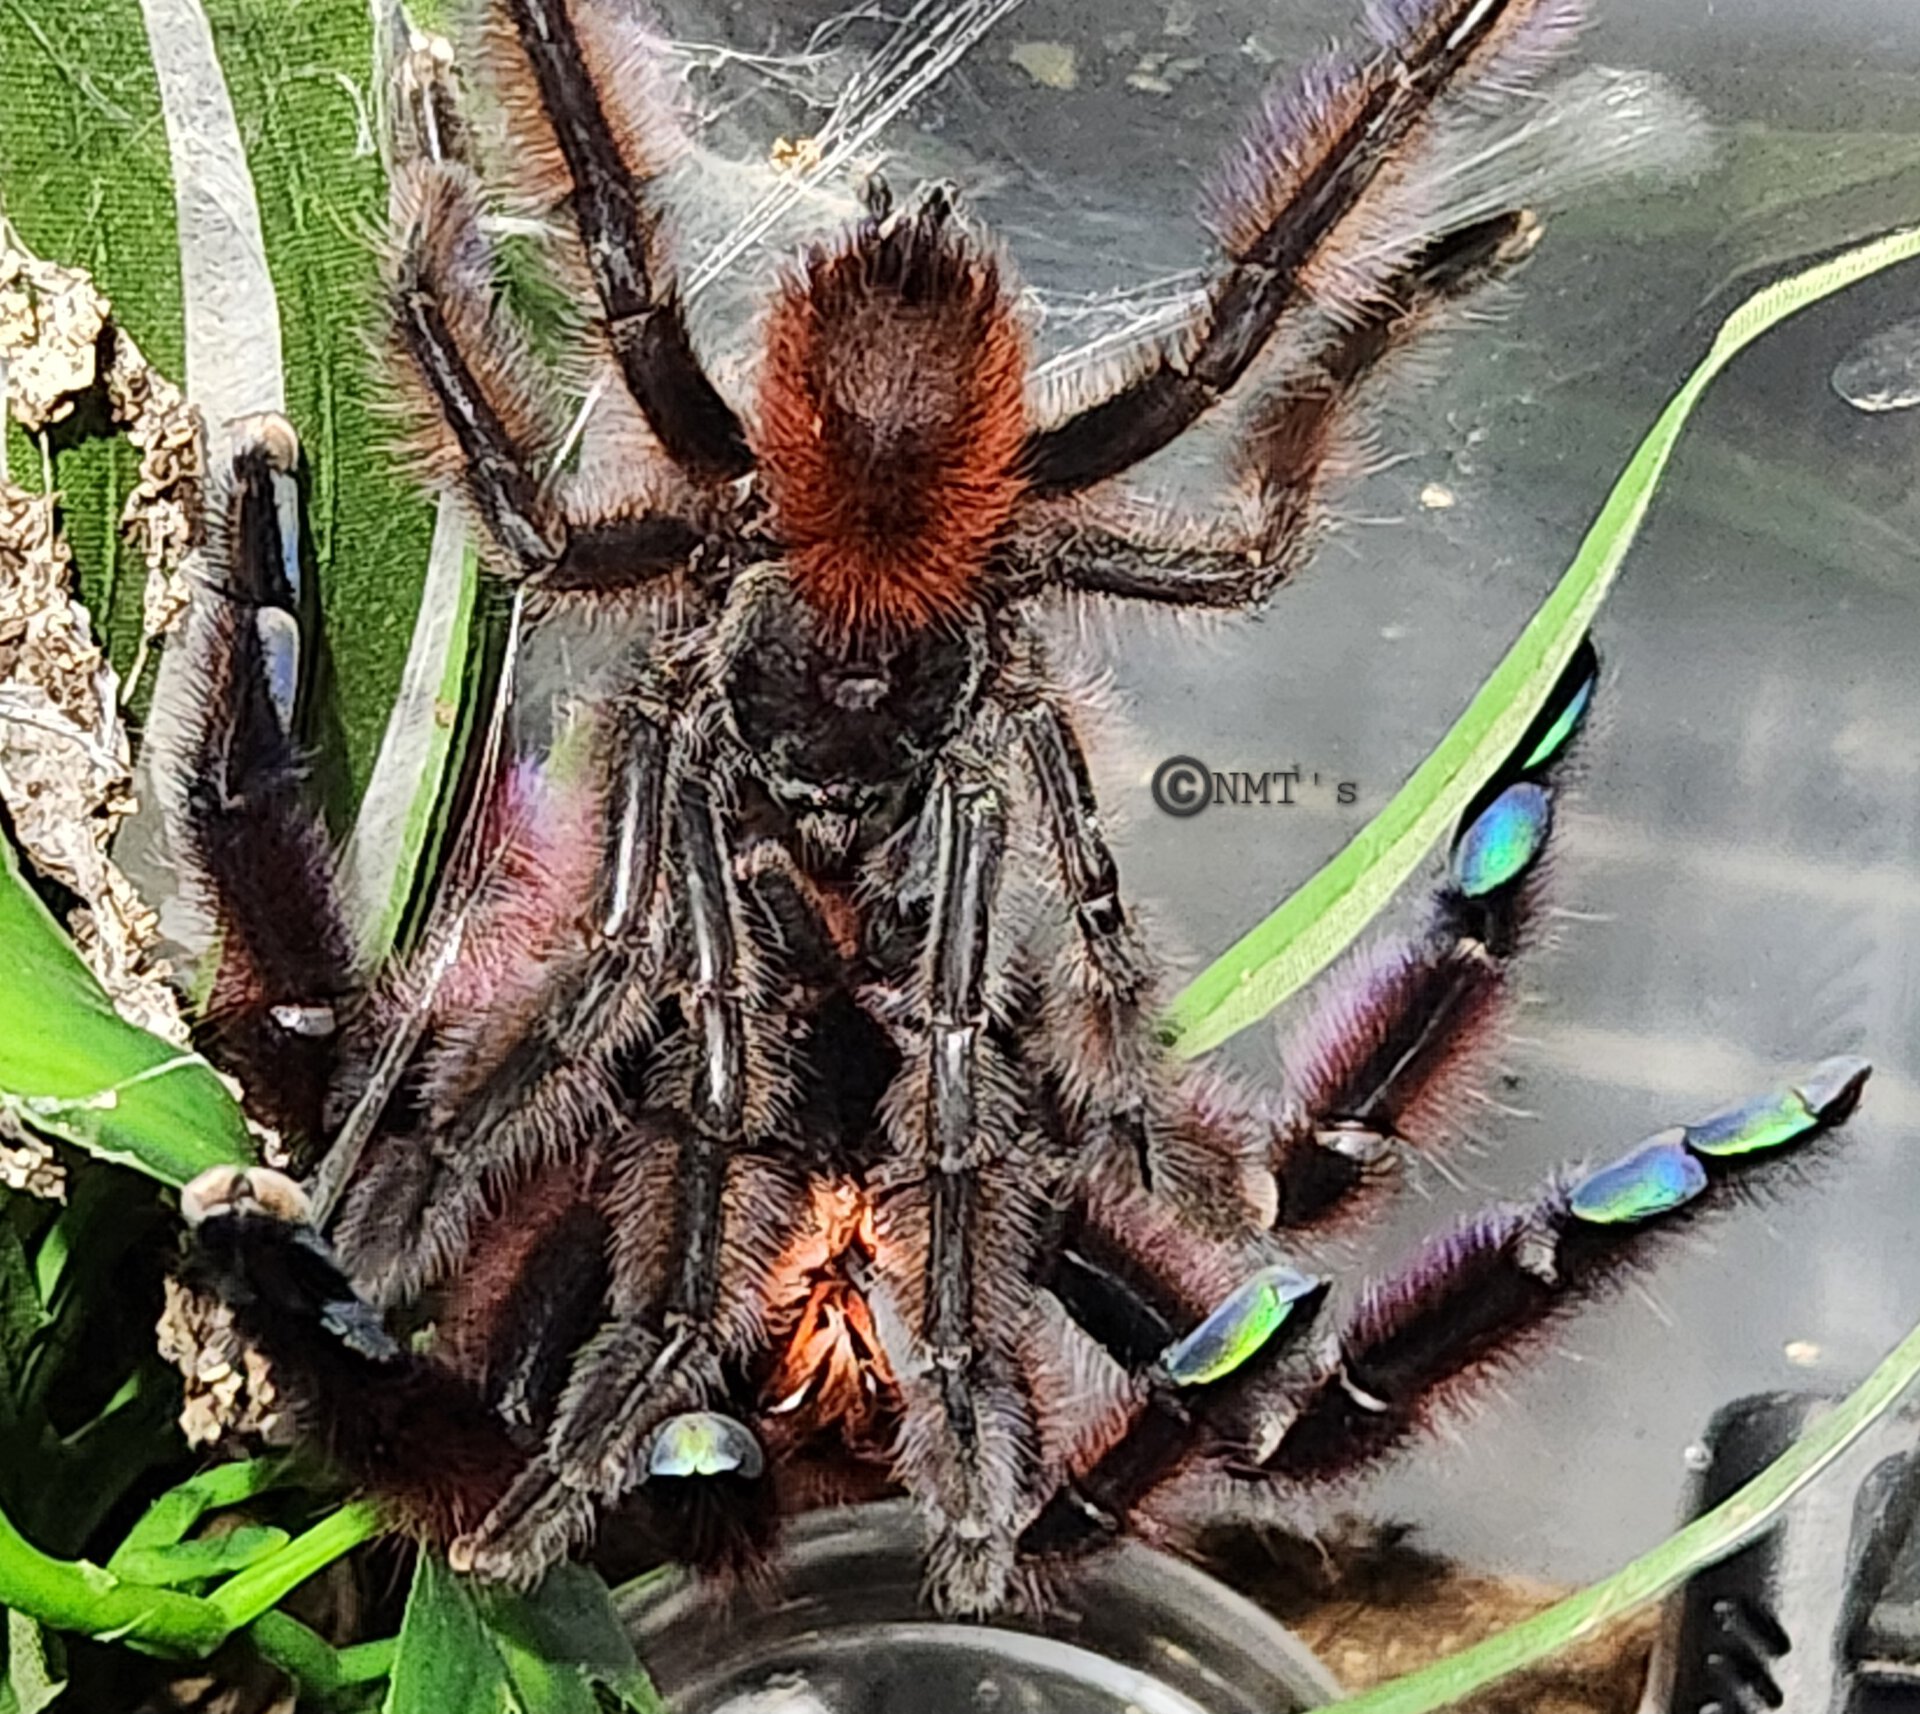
(784, 1099)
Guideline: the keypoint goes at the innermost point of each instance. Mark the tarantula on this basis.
(779, 1096)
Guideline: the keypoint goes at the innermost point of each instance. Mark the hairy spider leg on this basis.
(1399, 1029)
(1240, 1433)
(1099, 1010)
(959, 1217)
(283, 966)
(534, 1291)
(1131, 1118)
(1135, 1278)
(423, 1435)
(539, 984)
(608, 171)
(687, 1301)
(494, 1087)
(1195, 1397)
(1474, 1296)
(249, 842)
(1396, 1035)
(1288, 447)
(487, 422)
(1307, 212)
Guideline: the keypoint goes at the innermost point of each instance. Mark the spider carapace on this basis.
(772, 1108)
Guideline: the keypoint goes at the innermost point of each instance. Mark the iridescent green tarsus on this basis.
(1300, 939)
(1239, 1329)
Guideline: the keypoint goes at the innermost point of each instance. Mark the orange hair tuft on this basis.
(892, 417)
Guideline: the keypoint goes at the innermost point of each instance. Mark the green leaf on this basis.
(446, 1658)
(72, 1067)
(57, 1247)
(1298, 941)
(541, 1686)
(33, 1661)
(104, 1215)
(73, 1595)
(267, 1582)
(169, 1518)
(328, 1677)
(539, 1653)
(188, 1562)
(21, 1318)
(569, 1621)
(101, 1461)
(397, 822)
(86, 176)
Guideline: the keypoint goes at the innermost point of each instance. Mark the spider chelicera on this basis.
(775, 1110)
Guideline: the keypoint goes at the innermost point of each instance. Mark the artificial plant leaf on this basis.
(1299, 940)
(540, 1685)
(569, 1621)
(446, 1657)
(185, 1562)
(264, 1584)
(169, 1518)
(87, 177)
(79, 1265)
(397, 822)
(86, 180)
(73, 1068)
(103, 1216)
(21, 1318)
(65, 1247)
(76, 1595)
(74, 1482)
(1744, 1517)
(234, 366)
(36, 1673)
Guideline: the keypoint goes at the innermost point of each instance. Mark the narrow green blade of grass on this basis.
(72, 1067)
(1299, 940)
(1726, 1529)
(250, 1593)
(397, 819)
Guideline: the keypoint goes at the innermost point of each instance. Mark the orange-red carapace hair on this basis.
(892, 416)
